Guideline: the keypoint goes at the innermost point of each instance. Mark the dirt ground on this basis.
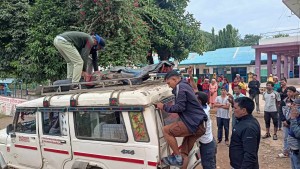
(4, 121)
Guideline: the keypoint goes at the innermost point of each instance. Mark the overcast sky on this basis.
(250, 17)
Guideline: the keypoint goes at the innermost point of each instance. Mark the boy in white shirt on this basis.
(272, 100)
(207, 143)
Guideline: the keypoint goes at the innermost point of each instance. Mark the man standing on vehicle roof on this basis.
(75, 48)
(192, 116)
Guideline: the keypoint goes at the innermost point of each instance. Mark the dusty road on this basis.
(4, 121)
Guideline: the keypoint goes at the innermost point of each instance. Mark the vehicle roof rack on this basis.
(100, 85)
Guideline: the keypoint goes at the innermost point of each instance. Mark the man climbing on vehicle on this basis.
(192, 116)
(75, 48)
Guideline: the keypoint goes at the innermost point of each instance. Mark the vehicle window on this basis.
(169, 118)
(138, 127)
(26, 123)
(105, 126)
(54, 123)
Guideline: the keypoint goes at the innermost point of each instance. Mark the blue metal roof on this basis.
(224, 57)
(7, 80)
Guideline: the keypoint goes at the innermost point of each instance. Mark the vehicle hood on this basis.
(3, 136)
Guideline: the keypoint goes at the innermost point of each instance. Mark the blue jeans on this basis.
(221, 122)
(279, 122)
(208, 155)
(285, 136)
(295, 160)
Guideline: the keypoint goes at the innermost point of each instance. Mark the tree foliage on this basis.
(279, 35)
(227, 37)
(250, 40)
(132, 29)
(175, 33)
(121, 23)
(47, 19)
(13, 35)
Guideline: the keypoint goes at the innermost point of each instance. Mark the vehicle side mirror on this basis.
(9, 129)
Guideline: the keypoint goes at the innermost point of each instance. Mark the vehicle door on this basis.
(165, 118)
(162, 119)
(25, 146)
(54, 137)
(101, 137)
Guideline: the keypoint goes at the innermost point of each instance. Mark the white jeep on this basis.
(109, 128)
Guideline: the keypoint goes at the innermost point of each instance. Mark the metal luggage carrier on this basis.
(100, 85)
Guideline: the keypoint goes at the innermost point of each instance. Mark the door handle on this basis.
(63, 141)
(13, 135)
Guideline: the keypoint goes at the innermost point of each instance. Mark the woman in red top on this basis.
(233, 84)
(205, 87)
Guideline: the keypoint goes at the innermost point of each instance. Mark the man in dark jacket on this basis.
(254, 91)
(245, 138)
(192, 116)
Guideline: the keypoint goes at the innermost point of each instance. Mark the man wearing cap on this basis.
(75, 48)
(192, 116)
(94, 52)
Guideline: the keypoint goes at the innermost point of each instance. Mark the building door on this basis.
(239, 70)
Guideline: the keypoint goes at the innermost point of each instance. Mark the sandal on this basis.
(267, 135)
(282, 155)
(275, 137)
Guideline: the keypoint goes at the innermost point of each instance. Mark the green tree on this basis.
(250, 40)
(231, 36)
(175, 33)
(279, 35)
(13, 23)
(47, 19)
(121, 23)
(213, 39)
(209, 41)
(227, 37)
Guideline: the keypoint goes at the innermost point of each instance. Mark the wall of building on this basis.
(250, 68)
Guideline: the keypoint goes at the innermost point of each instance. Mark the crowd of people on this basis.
(193, 102)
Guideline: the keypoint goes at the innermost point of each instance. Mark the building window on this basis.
(104, 126)
(264, 72)
(26, 123)
(138, 127)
